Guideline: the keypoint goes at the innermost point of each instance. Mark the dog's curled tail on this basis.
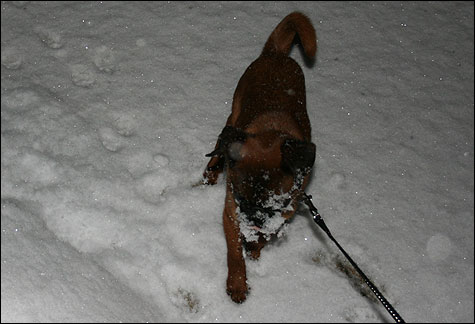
(283, 35)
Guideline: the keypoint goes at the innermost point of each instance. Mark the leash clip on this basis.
(317, 218)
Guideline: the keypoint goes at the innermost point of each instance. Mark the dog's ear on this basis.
(229, 143)
(298, 156)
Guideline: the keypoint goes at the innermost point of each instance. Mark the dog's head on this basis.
(264, 165)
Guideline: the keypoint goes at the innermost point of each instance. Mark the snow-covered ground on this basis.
(107, 111)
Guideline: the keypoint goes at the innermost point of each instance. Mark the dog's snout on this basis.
(254, 213)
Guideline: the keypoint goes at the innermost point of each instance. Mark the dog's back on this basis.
(273, 87)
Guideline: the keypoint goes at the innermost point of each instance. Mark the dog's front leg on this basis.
(213, 169)
(236, 285)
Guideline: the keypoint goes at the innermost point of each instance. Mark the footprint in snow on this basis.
(153, 186)
(124, 124)
(110, 139)
(12, 58)
(161, 159)
(82, 76)
(51, 38)
(104, 59)
(142, 162)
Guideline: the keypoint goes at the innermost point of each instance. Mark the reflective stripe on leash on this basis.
(307, 199)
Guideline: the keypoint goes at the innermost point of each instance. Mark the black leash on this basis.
(318, 219)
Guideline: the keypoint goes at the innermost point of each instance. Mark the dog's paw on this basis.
(210, 177)
(254, 255)
(253, 250)
(238, 295)
(238, 291)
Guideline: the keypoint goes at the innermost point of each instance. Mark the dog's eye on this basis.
(297, 156)
(231, 134)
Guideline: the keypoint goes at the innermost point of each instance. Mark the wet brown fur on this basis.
(269, 104)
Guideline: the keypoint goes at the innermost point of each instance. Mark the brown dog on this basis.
(266, 148)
